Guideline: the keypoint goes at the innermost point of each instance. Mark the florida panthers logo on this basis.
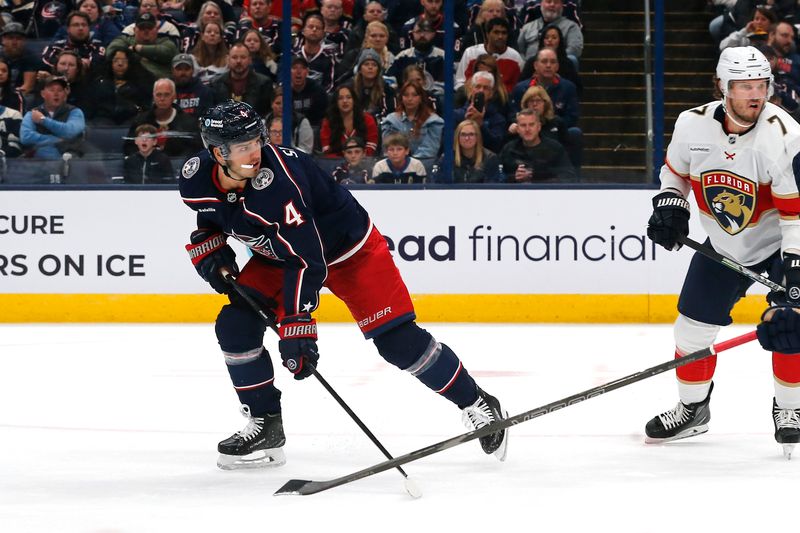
(730, 198)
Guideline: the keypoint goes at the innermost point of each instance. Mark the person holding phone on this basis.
(480, 108)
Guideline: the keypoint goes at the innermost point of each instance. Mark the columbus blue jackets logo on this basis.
(731, 199)
(190, 167)
(263, 179)
(260, 244)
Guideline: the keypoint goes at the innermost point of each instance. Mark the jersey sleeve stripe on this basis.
(672, 169)
(200, 200)
(787, 207)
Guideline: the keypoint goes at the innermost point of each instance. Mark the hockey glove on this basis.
(670, 219)
(298, 344)
(781, 333)
(209, 254)
(791, 280)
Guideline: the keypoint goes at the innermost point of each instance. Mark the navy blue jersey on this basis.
(291, 214)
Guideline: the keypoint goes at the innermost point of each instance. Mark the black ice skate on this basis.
(680, 422)
(787, 427)
(484, 411)
(259, 444)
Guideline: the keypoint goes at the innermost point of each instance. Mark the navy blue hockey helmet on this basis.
(230, 123)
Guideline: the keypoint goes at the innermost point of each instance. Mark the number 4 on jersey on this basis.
(291, 216)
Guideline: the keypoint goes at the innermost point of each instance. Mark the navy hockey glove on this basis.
(209, 254)
(791, 280)
(669, 220)
(298, 344)
(781, 333)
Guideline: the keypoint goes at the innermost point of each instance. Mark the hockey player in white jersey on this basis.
(739, 158)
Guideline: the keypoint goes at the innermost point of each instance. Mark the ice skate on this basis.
(787, 428)
(258, 445)
(680, 422)
(484, 411)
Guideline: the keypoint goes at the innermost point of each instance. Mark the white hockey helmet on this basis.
(743, 63)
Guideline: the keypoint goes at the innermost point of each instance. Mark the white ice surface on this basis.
(114, 429)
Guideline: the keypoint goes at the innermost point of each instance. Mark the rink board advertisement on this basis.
(519, 255)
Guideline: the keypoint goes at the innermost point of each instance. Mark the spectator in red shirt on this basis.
(346, 119)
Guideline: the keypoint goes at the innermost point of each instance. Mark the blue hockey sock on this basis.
(252, 376)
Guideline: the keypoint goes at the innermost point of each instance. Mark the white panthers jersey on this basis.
(746, 186)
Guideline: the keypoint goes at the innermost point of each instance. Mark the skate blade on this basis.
(502, 452)
(270, 457)
(691, 432)
(787, 450)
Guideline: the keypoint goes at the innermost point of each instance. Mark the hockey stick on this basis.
(304, 487)
(411, 486)
(730, 263)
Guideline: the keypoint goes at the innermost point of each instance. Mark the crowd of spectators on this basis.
(367, 83)
(772, 27)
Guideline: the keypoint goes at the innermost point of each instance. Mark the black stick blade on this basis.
(300, 487)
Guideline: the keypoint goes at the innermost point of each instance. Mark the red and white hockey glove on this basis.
(209, 254)
(298, 344)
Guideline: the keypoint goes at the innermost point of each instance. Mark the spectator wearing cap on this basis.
(509, 62)
(178, 132)
(552, 13)
(302, 134)
(431, 11)
(79, 40)
(757, 29)
(346, 119)
(377, 97)
(22, 65)
(164, 28)
(423, 53)
(241, 83)
(153, 52)
(192, 95)
(54, 127)
(321, 58)
(308, 98)
(103, 27)
(357, 167)
(122, 90)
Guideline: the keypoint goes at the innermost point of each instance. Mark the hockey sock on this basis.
(786, 369)
(411, 348)
(252, 376)
(694, 379)
(441, 371)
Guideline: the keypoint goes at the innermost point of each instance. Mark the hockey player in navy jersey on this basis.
(305, 232)
(739, 157)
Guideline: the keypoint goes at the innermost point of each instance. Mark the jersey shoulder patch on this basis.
(190, 167)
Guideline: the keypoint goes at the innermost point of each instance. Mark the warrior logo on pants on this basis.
(731, 199)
